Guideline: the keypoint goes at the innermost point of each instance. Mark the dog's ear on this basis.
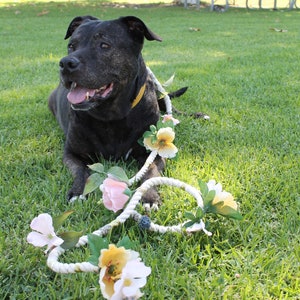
(76, 22)
(139, 29)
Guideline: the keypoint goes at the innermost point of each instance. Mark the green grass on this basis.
(241, 73)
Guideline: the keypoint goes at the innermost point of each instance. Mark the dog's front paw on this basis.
(75, 195)
(76, 191)
(151, 200)
(77, 198)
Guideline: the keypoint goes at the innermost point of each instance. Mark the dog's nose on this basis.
(69, 64)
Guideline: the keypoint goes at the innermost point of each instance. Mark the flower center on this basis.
(127, 282)
(49, 236)
(162, 143)
(112, 270)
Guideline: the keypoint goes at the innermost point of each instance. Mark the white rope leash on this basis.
(140, 174)
(160, 88)
(129, 211)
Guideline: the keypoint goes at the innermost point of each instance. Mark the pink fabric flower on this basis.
(113, 196)
(44, 232)
(170, 117)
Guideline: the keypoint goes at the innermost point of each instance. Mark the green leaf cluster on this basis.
(118, 174)
(194, 218)
(70, 237)
(207, 195)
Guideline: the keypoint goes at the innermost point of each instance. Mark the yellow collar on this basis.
(139, 96)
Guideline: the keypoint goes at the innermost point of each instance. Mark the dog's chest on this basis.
(109, 140)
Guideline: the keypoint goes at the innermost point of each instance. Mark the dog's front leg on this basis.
(79, 172)
(152, 198)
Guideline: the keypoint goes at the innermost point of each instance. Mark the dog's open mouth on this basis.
(78, 94)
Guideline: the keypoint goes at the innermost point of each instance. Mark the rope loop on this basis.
(129, 211)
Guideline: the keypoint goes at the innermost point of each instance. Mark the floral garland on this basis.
(122, 274)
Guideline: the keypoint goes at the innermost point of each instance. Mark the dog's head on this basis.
(104, 60)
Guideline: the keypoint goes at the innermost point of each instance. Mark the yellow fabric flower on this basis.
(163, 143)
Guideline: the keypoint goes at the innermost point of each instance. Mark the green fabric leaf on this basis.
(209, 197)
(235, 215)
(126, 243)
(128, 192)
(203, 188)
(169, 123)
(214, 208)
(190, 223)
(153, 129)
(118, 173)
(96, 243)
(59, 220)
(99, 168)
(229, 212)
(199, 213)
(153, 139)
(147, 134)
(225, 211)
(70, 238)
(141, 141)
(93, 182)
(189, 215)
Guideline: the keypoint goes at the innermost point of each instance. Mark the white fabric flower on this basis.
(213, 186)
(44, 233)
(198, 227)
(132, 279)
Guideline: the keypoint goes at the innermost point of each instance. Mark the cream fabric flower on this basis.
(163, 143)
(223, 201)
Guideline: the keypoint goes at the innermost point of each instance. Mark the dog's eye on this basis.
(71, 47)
(104, 46)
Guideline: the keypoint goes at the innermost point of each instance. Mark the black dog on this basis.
(106, 99)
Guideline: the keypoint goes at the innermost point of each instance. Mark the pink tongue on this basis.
(78, 95)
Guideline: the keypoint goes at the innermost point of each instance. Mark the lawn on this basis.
(242, 69)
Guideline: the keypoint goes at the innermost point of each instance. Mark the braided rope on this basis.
(140, 174)
(160, 88)
(128, 212)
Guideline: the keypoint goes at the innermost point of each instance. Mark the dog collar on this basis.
(139, 96)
